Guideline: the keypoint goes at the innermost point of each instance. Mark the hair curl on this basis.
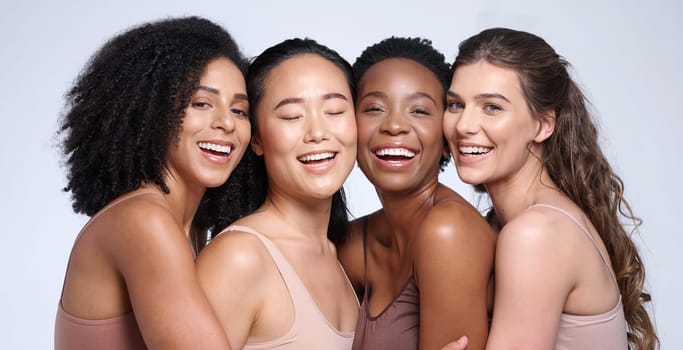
(572, 157)
(255, 180)
(416, 49)
(127, 105)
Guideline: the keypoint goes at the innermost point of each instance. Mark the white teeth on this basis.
(473, 150)
(215, 147)
(400, 152)
(316, 156)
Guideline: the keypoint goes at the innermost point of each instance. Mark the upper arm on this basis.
(533, 280)
(453, 262)
(155, 259)
(230, 271)
(352, 256)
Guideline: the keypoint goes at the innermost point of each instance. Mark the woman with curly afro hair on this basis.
(159, 114)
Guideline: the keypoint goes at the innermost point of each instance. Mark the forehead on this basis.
(304, 71)
(483, 76)
(399, 72)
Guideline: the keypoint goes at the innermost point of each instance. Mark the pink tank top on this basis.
(604, 331)
(397, 327)
(120, 332)
(310, 329)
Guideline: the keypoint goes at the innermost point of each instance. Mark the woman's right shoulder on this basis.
(238, 248)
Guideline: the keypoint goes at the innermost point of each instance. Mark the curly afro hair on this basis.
(417, 49)
(126, 107)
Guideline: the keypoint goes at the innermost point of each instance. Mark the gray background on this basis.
(625, 54)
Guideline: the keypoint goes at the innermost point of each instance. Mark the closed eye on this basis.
(421, 111)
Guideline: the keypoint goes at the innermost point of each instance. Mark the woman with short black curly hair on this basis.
(158, 115)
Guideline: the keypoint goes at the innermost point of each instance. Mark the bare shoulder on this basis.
(454, 220)
(236, 253)
(140, 227)
(535, 228)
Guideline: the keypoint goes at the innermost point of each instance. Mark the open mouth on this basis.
(472, 151)
(316, 158)
(394, 154)
(215, 149)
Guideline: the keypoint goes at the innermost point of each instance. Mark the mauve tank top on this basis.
(310, 330)
(116, 333)
(606, 331)
(397, 327)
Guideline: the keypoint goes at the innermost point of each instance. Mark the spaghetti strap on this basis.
(111, 204)
(365, 255)
(289, 275)
(605, 259)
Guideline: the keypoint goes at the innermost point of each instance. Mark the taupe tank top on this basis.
(604, 331)
(116, 333)
(310, 329)
(397, 327)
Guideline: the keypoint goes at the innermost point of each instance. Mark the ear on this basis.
(546, 126)
(256, 145)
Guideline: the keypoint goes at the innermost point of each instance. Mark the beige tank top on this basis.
(310, 329)
(116, 333)
(604, 331)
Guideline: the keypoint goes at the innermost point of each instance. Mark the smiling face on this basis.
(489, 126)
(215, 130)
(306, 127)
(400, 114)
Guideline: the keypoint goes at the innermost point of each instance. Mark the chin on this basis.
(469, 178)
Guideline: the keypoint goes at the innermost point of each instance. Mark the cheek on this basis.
(347, 130)
(449, 128)
(244, 131)
(365, 131)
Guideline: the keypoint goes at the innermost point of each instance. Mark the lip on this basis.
(320, 160)
(214, 157)
(397, 162)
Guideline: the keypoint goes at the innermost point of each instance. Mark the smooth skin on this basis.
(545, 264)
(424, 229)
(137, 257)
(306, 113)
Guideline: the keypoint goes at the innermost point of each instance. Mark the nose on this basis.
(467, 123)
(394, 124)
(224, 119)
(316, 130)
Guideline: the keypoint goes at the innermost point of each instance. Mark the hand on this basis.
(460, 344)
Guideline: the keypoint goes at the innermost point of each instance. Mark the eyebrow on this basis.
(413, 96)
(291, 100)
(480, 96)
(238, 96)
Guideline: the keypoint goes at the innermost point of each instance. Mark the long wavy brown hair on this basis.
(573, 158)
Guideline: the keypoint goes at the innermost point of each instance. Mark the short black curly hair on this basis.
(419, 50)
(126, 107)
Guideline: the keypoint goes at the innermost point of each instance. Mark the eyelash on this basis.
(200, 105)
(454, 106)
(491, 108)
(421, 111)
(239, 112)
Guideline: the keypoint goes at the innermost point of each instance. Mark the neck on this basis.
(512, 195)
(184, 201)
(405, 212)
(309, 217)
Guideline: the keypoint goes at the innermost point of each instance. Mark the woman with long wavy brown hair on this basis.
(568, 276)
